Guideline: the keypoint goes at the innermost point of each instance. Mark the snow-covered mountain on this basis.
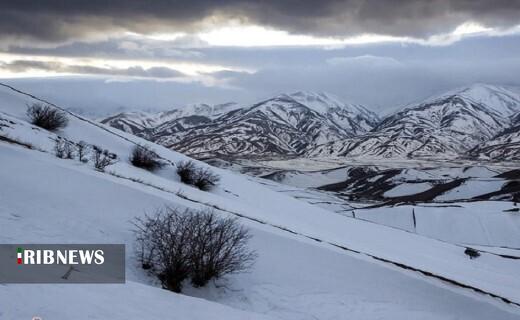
(286, 125)
(477, 121)
(137, 122)
(504, 147)
(445, 126)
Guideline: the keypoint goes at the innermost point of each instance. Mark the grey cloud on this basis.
(383, 75)
(121, 47)
(56, 20)
(134, 71)
(365, 61)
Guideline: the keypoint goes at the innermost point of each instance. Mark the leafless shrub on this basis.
(202, 178)
(145, 158)
(64, 149)
(102, 158)
(186, 171)
(205, 179)
(83, 150)
(472, 253)
(218, 247)
(176, 245)
(47, 117)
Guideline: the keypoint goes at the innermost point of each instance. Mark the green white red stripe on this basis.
(19, 253)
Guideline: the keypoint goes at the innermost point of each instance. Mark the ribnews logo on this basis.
(62, 263)
(64, 257)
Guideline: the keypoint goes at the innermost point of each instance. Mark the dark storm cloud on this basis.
(58, 20)
(135, 71)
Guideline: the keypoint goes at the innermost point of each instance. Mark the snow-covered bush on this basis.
(102, 158)
(145, 158)
(202, 178)
(83, 150)
(177, 245)
(47, 117)
(63, 149)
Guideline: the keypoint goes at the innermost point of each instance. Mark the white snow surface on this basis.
(45, 199)
(405, 189)
(480, 223)
(471, 189)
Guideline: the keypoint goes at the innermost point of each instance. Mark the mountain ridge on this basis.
(310, 124)
(445, 126)
(284, 125)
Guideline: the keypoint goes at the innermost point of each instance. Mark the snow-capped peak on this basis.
(203, 109)
(323, 102)
(505, 101)
(500, 99)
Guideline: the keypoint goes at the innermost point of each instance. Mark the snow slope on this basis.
(294, 278)
(505, 146)
(476, 223)
(52, 200)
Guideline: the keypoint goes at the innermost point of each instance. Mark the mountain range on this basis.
(479, 121)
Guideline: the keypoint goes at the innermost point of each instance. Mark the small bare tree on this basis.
(145, 158)
(63, 149)
(102, 158)
(176, 245)
(47, 117)
(83, 150)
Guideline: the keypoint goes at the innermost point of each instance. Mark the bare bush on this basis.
(163, 242)
(145, 158)
(186, 171)
(83, 150)
(64, 149)
(102, 158)
(47, 117)
(178, 245)
(472, 253)
(205, 179)
(202, 178)
(218, 247)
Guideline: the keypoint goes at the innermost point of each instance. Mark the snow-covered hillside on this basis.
(445, 126)
(285, 125)
(505, 146)
(454, 202)
(313, 263)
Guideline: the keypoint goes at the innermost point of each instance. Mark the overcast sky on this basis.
(104, 56)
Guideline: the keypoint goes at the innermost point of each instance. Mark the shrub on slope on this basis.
(202, 178)
(176, 245)
(145, 158)
(47, 117)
